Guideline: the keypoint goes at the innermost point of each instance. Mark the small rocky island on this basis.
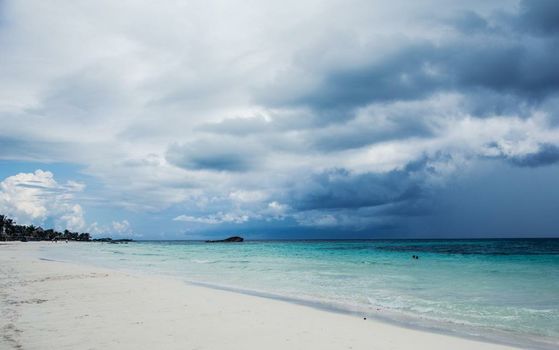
(234, 239)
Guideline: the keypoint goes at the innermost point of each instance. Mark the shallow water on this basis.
(499, 289)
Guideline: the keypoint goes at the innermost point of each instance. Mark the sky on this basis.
(285, 119)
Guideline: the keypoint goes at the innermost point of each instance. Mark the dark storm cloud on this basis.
(501, 201)
(393, 125)
(547, 154)
(538, 16)
(527, 71)
(398, 76)
(341, 189)
(496, 59)
(370, 203)
(213, 155)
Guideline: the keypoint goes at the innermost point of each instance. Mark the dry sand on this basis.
(54, 305)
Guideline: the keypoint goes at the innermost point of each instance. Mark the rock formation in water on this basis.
(233, 239)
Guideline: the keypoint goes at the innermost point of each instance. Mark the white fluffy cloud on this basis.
(118, 228)
(36, 197)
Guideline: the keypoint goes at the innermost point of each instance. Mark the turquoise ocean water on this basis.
(501, 290)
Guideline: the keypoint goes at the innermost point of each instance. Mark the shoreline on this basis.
(37, 306)
(394, 319)
(406, 322)
(413, 321)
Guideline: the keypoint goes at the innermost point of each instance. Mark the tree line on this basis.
(10, 231)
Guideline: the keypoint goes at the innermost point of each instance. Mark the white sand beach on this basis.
(54, 305)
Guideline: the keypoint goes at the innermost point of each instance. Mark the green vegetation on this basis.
(10, 231)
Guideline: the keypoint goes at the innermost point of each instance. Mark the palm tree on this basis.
(9, 231)
(2, 234)
(9, 227)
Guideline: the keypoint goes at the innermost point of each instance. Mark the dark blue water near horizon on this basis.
(486, 246)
